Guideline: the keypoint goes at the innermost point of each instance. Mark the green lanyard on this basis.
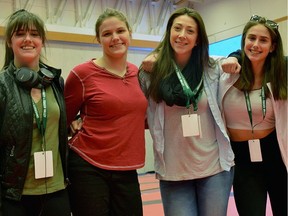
(249, 108)
(194, 96)
(41, 124)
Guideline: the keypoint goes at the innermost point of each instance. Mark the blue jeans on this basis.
(199, 197)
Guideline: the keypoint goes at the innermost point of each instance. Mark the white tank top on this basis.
(236, 114)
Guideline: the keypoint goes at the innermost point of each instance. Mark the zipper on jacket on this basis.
(12, 151)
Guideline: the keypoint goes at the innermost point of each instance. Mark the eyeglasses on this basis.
(271, 23)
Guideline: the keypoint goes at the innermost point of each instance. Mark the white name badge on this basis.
(43, 162)
(255, 150)
(191, 125)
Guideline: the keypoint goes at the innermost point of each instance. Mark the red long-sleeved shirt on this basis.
(113, 111)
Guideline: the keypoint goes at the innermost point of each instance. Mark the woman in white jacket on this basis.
(193, 161)
(254, 105)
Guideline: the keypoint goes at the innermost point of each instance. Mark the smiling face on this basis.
(114, 37)
(183, 36)
(258, 43)
(26, 46)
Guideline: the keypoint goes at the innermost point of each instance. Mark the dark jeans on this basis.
(253, 180)
(53, 204)
(97, 192)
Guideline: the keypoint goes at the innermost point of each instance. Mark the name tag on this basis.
(255, 150)
(43, 162)
(191, 125)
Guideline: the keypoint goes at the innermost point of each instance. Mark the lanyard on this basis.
(41, 124)
(249, 108)
(194, 96)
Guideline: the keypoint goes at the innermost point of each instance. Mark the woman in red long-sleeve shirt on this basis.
(110, 146)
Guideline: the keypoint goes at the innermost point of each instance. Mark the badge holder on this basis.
(43, 162)
(191, 125)
(255, 150)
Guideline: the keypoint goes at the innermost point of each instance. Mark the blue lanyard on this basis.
(194, 95)
(249, 108)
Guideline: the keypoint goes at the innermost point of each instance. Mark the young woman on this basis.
(193, 157)
(254, 105)
(109, 147)
(33, 129)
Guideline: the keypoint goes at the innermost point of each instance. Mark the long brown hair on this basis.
(275, 67)
(21, 20)
(163, 66)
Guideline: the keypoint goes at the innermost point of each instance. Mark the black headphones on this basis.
(31, 79)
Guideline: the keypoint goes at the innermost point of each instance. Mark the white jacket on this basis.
(156, 119)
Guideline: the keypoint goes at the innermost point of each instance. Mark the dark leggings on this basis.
(253, 180)
(98, 192)
(53, 204)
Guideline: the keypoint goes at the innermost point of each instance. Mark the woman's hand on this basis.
(75, 126)
(231, 65)
(148, 62)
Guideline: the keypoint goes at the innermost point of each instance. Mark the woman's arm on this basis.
(73, 92)
(231, 64)
(148, 62)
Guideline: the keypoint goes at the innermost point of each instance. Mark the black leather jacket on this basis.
(16, 123)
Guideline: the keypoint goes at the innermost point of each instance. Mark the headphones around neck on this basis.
(31, 79)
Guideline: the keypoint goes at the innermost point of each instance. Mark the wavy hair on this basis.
(163, 66)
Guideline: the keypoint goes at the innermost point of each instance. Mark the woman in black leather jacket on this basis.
(33, 136)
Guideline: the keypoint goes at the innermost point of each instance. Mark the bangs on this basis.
(25, 21)
(22, 25)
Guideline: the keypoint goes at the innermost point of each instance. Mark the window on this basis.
(225, 47)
